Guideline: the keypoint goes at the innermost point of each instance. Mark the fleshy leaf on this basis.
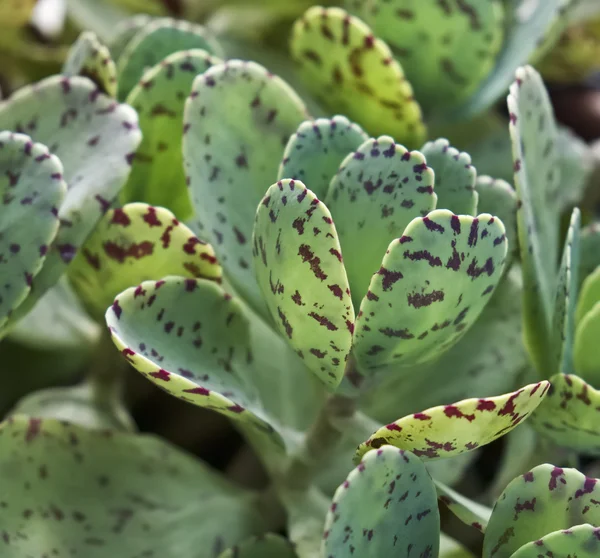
(586, 356)
(386, 507)
(73, 491)
(154, 42)
(537, 179)
(314, 153)
(353, 73)
(94, 138)
(88, 57)
(543, 500)
(433, 283)
(191, 339)
(455, 177)
(298, 262)
(136, 243)
(581, 541)
(589, 247)
(469, 512)
(589, 296)
(450, 430)
(569, 414)
(238, 120)
(266, 546)
(445, 48)
(157, 175)
(376, 193)
(124, 32)
(32, 189)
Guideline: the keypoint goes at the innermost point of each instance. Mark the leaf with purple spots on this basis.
(433, 283)
(266, 546)
(446, 48)
(298, 262)
(450, 430)
(157, 175)
(376, 193)
(88, 57)
(32, 189)
(386, 507)
(589, 248)
(353, 73)
(136, 243)
(541, 501)
(314, 153)
(191, 339)
(586, 356)
(238, 120)
(537, 180)
(155, 41)
(580, 541)
(455, 177)
(94, 137)
(124, 32)
(589, 295)
(78, 492)
(468, 511)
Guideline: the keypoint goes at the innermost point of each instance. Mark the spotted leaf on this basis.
(544, 500)
(589, 296)
(386, 507)
(32, 188)
(124, 32)
(450, 430)
(433, 283)
(582, 541)
(537, 178)
(157, 175)
(298, 262)
(589, 247)
(468, 511)
(191, 339)
(314, 153)
(73, 491)
(353, 73)
(376, 193)
(267, 546)
(94, 138)
(136, 243)
(153, 42)
(238, 120)
(586, 357)
(88, 57)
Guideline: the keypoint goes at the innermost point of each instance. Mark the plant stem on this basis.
(106, 371)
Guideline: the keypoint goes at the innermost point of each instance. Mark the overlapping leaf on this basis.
(351, 72)
(589, 296)
(124, 32)
(586, 357)
(450, 430)
(469, 512)
(582, 541)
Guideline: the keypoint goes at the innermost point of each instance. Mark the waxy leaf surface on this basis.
(580, 541)
(469, 512)
(586, 356)
(589, 295)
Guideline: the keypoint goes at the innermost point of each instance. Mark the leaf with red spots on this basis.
(267, 546)
(446, 48)
(314, 153)
(238, 118)
(136, 243)
(298, 262)
(544, 500)
(93, 136)
(455, 177)
(155, 41)
(433, 283)
(88, 57)
(353, 73)
(450, 430)
(471, 513)
(157, 175)
(581, 541)
(31, 190)
(73, 491)
(387, 506)
(375, 194)
(191, 339)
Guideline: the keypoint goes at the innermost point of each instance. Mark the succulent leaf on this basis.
(581, 541)
(191, 339)
(541, 501)
(94, 138)
(314, 153)
(589, 247)
(136, 243)
(239, 117)
(94, 493)
(88, 57)
(455, 177)
(32, 189)
(468, 511)
(298, 262)
(589, 296)
(266, 546)
(450, 430)
(157, 175)
(376, 193)
(154, 42)
(353, 73)
(586, 357)
(433, 283)
(386, 507)
(124, 32)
